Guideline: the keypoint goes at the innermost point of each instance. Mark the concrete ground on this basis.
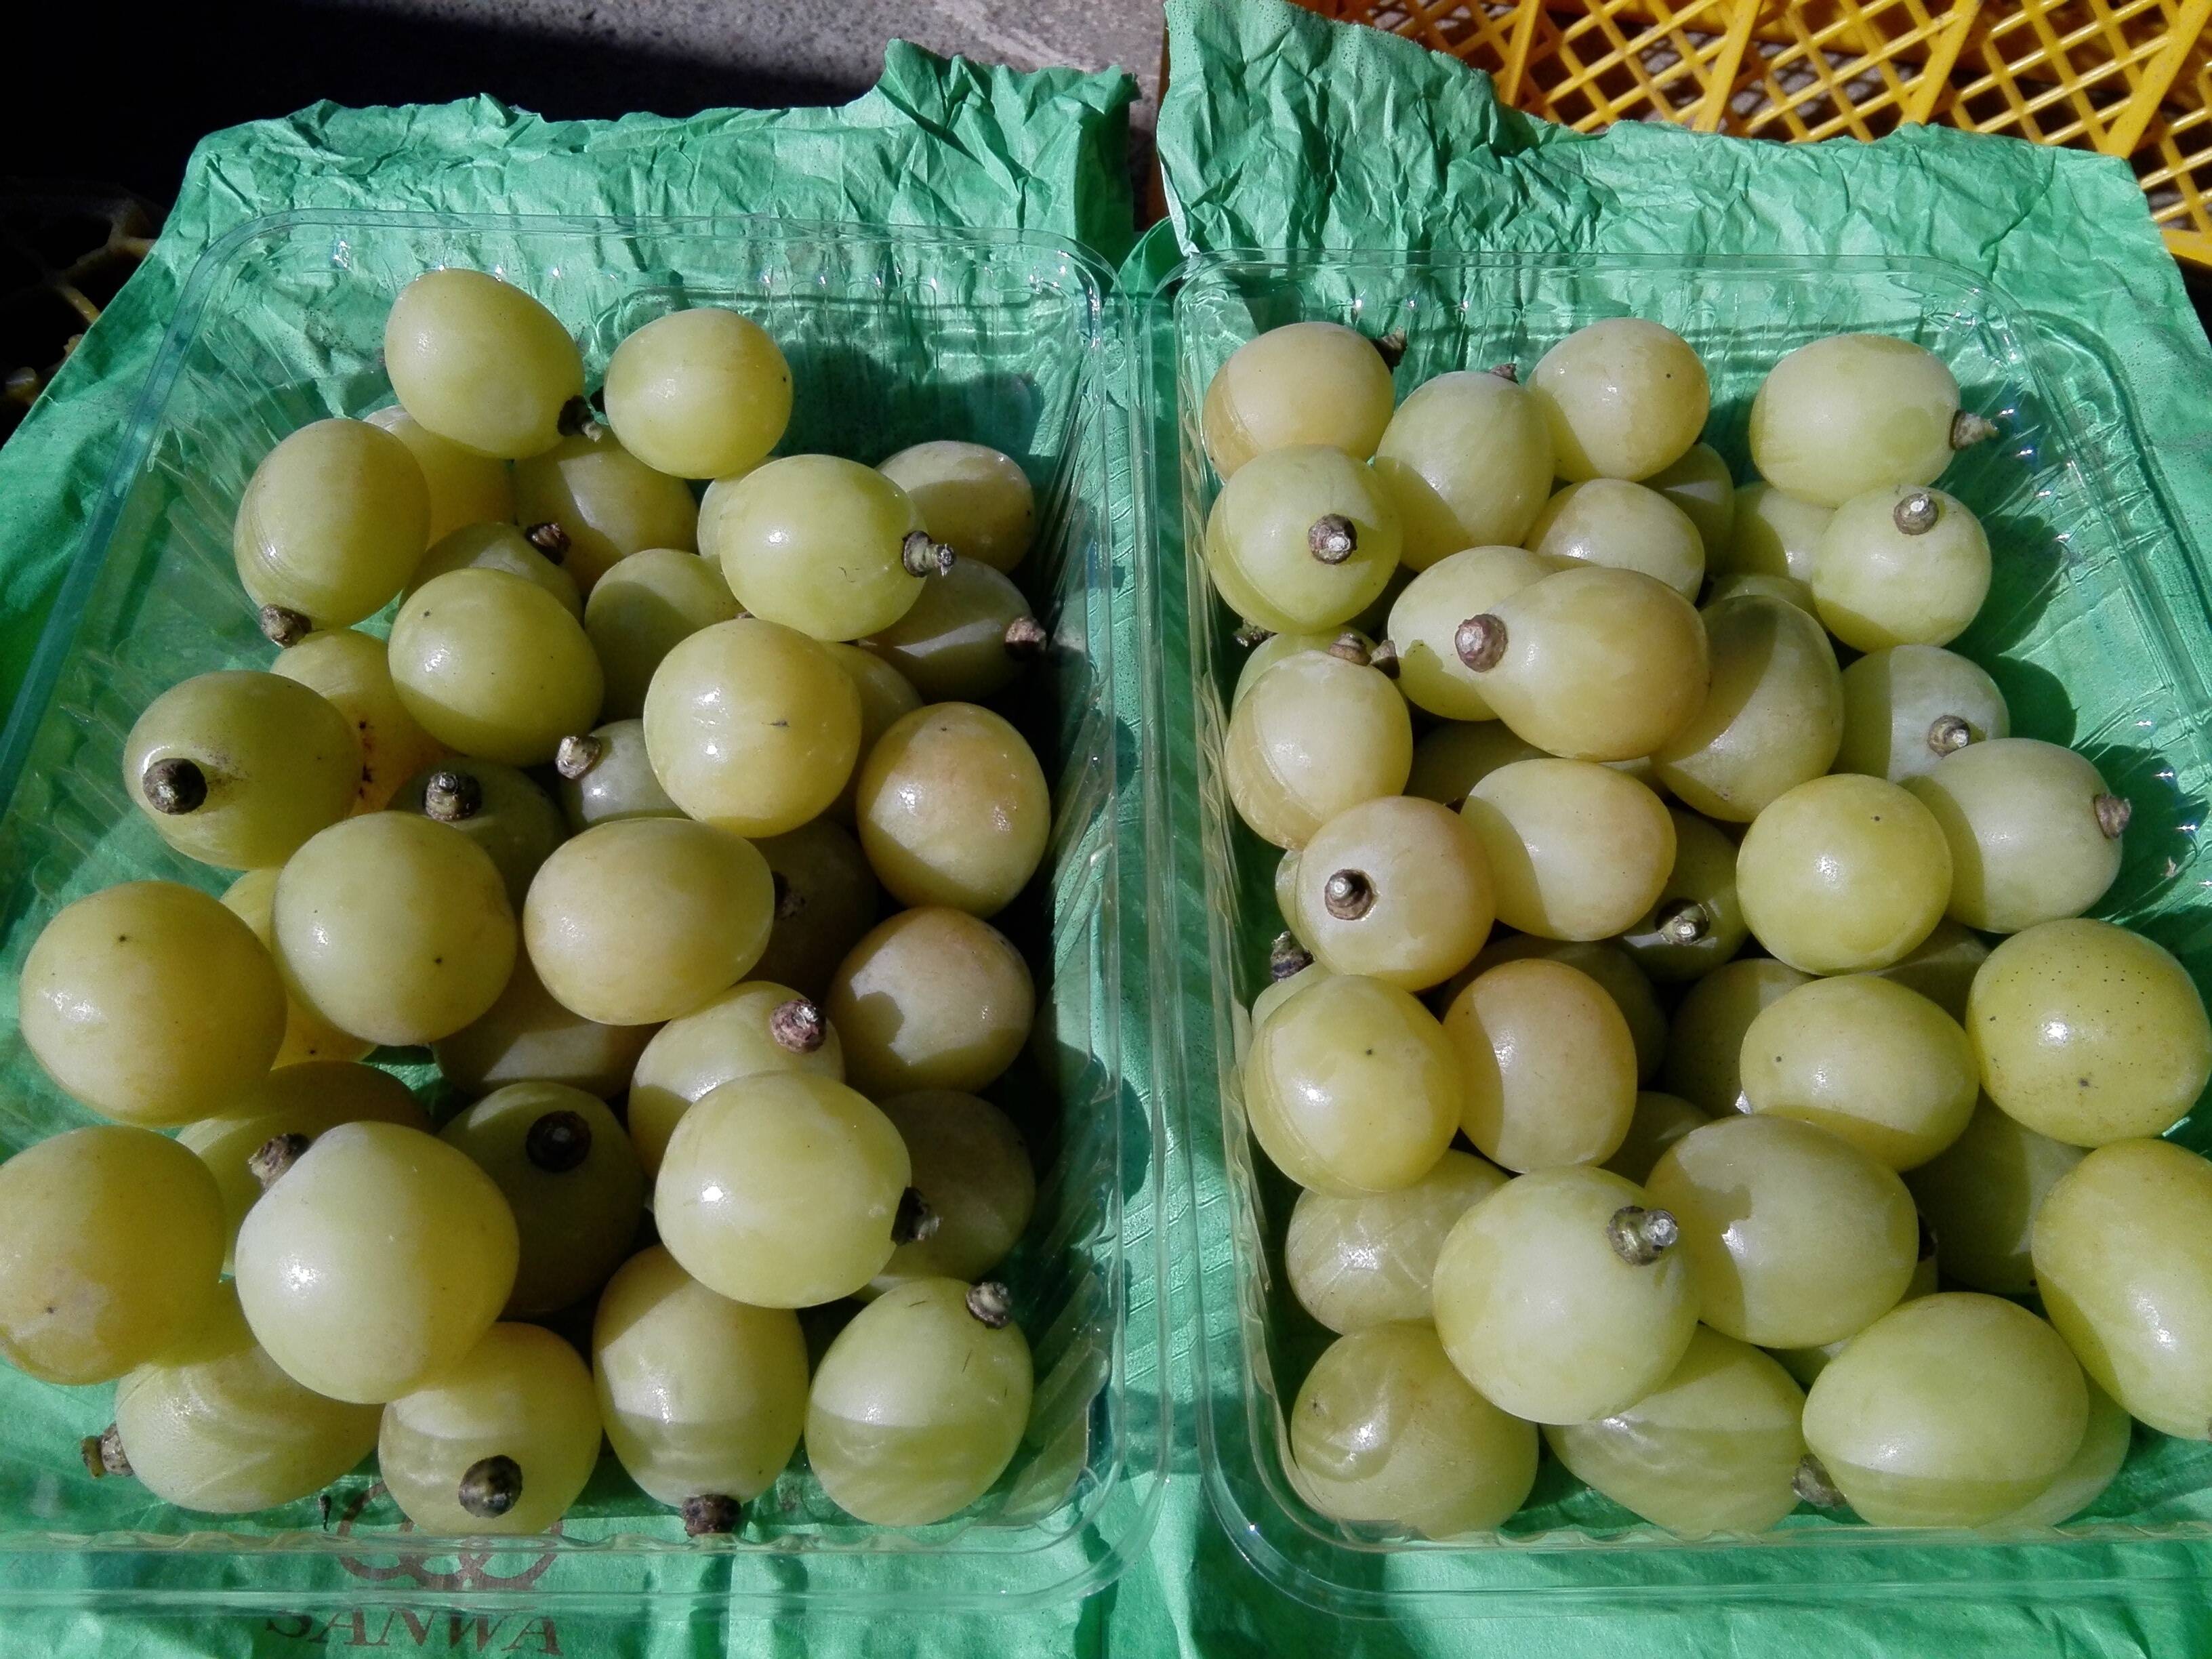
(127, 107)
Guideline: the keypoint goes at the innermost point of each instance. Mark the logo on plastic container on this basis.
(430, 1629)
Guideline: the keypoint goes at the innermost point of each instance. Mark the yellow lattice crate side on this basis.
(1856, 67)
(2121, 76)
(2174, 161)
(2087, 73)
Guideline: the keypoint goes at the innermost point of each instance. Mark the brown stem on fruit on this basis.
(1969, 429)
(268, 1162)
(1684, 921)
(1948, 734)
(991, 1303)
(578, 754)
(490, 1487)
(1252, 634)
(174, 787)
(1348, 646)
(283, 626)
(924, 557)
(1348, 895)
(798, 1025)
(576, 416)
(1333, 538)
(1509, 372)
(1481, 642)
(549, 539)
(2113, 812)
(915, 1220)
(1917, 513)
(1812, 1485)
(1384, 659)
(1391, 347)
(1286, 957)
(450, 795)
(103, 1453)
(558, 1142)
(709, 1512)
(1640, 1236)
(1026, 639)
(789, 901)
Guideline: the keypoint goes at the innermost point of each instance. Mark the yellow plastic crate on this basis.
(2124, 77)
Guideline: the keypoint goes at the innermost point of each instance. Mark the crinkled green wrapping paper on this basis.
(1279, 131)
(936, 143)
(1282, 132)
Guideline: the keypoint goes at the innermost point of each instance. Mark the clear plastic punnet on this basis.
(2098, 633)
(893, 336)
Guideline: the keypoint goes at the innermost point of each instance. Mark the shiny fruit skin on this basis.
(1425, 617)
(1893, 700)
(918, 1405)
(1624, 398)
(953, 809)
(380, 1258)
(1315, 734)
(520, 1393)
(1771, 721)
(1845, 874)
(1466, 459)
(1304, 383)
(752, 726)
(110, 1244)
(1598, 665)
(1539, 1311)
(701, 1395)
(1577, 851)
(2122, 1255)
(2088, 1033)
(1712, 1449)
(1385, 1430)
(1795, 1237)
(279, 762)
(1547, 1065)
(1949, 1412)
(726, 1037)
(605, 501)
(215, 1426)
(393, 928)
(976, 500)
(293, 1100)
(1867, 1059)
(2033, 832)
(151, 1003)
(699, 393)
(1851, 413)
(1260, 546)
(780, 1190)
(493, 665)
(1354, 1263)
(481, 364)
(640, 920)
(1352, 1088)
(931, 998)
(1419, 904)
(1704, 1042)
(331, 522)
